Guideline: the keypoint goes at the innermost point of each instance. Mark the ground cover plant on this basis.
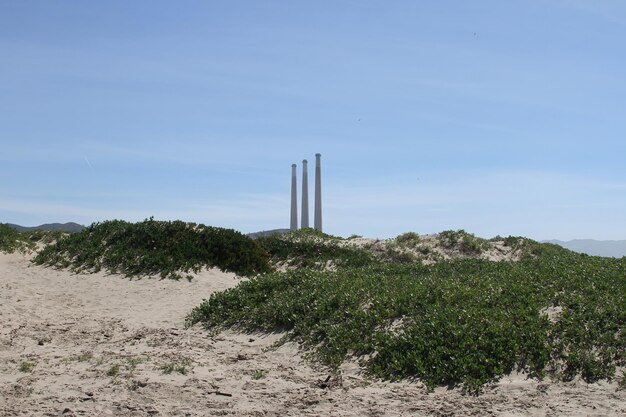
(309, 248)
(151, 247)
(463, 322)
(14, 241)
(409, 239)
(463, 241)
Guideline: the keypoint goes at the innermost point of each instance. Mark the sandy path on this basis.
(98, 345)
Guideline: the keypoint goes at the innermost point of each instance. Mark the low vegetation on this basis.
(151, 247)
(463, 241)
(26, 366)
(259, 374)
(181, 365)
(461, 322)
(426, 307)
(13, 241)
(309, 248)
(114, 370)
(409, 239)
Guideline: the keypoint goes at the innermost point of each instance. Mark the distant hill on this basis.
(51, 227)
(266, 233)
(608, 248)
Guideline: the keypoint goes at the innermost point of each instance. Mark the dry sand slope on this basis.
(98, 345)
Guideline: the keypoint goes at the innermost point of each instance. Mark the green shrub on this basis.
(26, 366)
(155, 247)
(409, 239)
(395, 255)
(259, 374)
(13, 241)
(462, 322)
(465, 242)
(44, 236)
(424, 250)
(114, 370)
(308, 248)
(529, 247)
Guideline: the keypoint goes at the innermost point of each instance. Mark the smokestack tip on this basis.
(304, 161)
(318, 155)
(293, 165)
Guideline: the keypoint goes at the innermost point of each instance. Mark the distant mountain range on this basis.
(608, 248)
(51, 227)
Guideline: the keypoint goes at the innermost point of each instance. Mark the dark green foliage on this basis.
(465, 242)
(528, 247)
(12, 240)
(409, 239)
(44, 236)
(396, 255)
(155, 247)
(513, 241)
(309, 248)
(465, 322)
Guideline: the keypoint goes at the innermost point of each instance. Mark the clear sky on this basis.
(498, 117)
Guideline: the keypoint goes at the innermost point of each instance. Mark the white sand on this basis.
(76, 328)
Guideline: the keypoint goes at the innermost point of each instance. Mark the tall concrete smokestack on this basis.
(318, 193)
(305, 195)
(294, 199)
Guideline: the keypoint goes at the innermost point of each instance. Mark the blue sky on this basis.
(498, 117)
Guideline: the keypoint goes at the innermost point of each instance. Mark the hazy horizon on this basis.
(500, 118)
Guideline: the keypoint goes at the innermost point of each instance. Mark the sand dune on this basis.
(98, 345)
